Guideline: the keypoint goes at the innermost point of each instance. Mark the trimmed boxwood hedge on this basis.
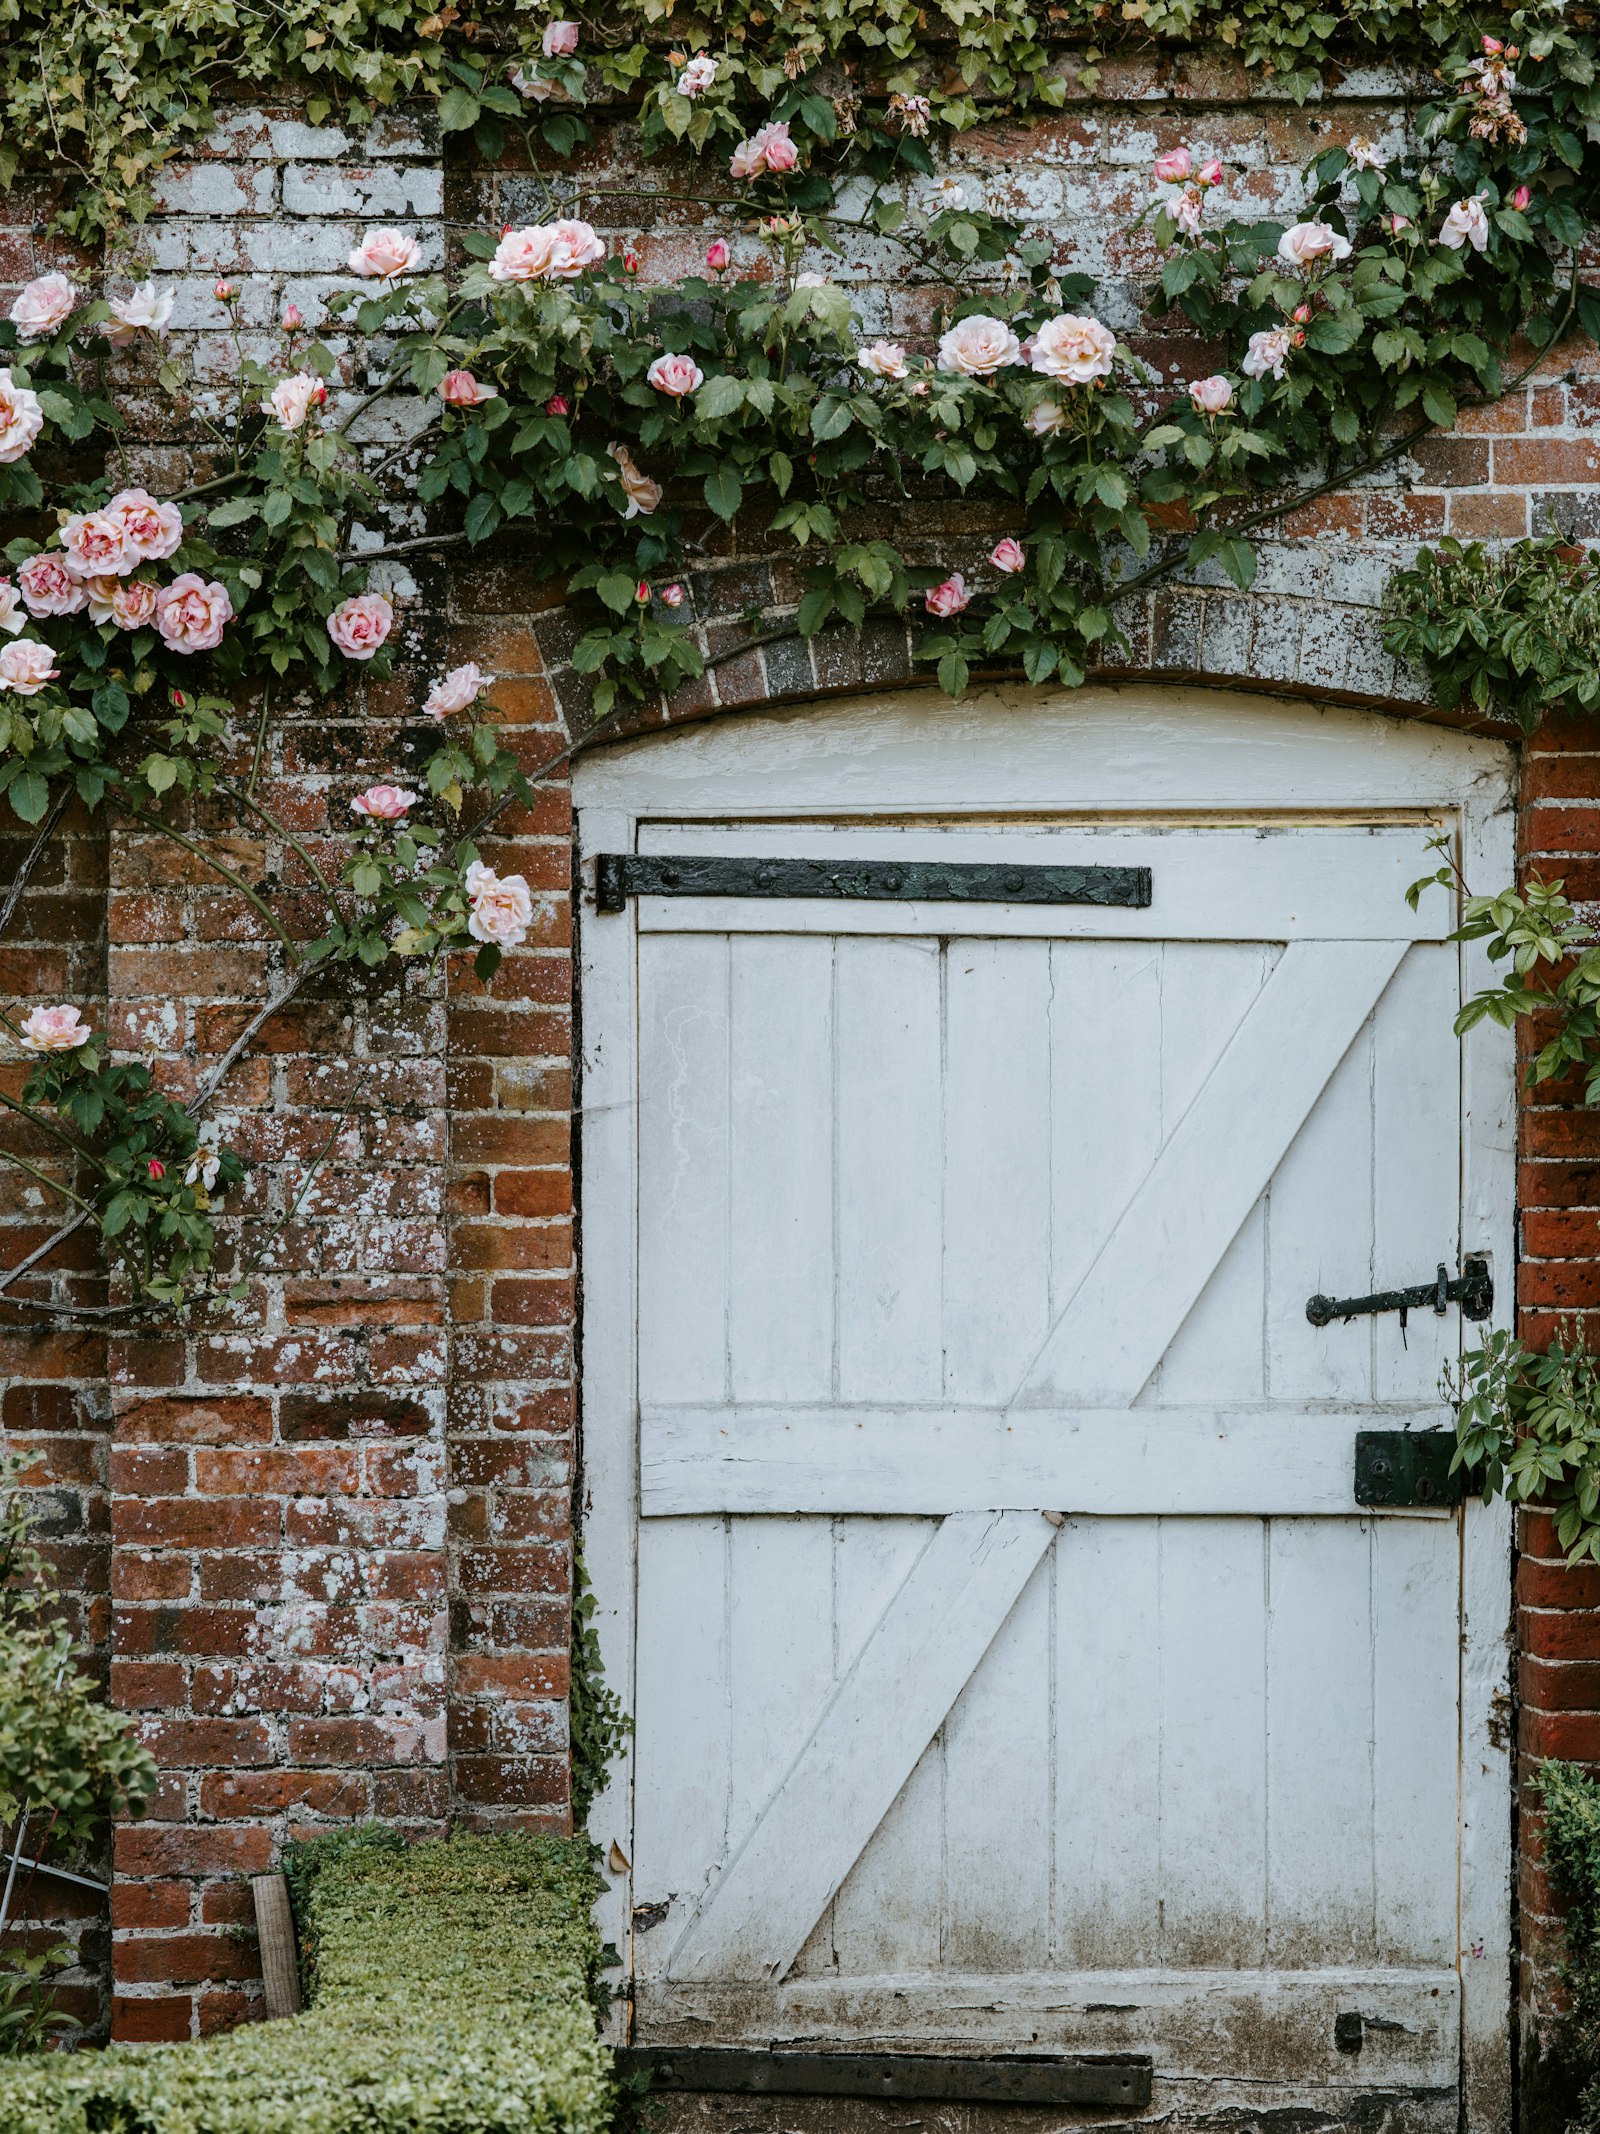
(454, 1991)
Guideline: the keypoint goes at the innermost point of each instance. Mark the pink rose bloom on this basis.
(672, 596)
(1210, 172)
(100, 591)
(459, 389)
(95, 544)
(148, 310)
(1008, 555)
(1308, 244)
(642, 493)
(949, 598)
(697, 76)
(384, 255)
(13, 615)
(1211, 395)
(1047, 419)
(54, 1030)
(1174, 167)
(502, 909)
(151, 531)
(359, 626)
(21, 419)
(384, 803)
(718, 255)
(546, 251)
(455, 691)
(48, 586)
(133, 603)
(1072, 348)
(191, 613)
(292, 399)
(769, 150)
(978, 347)
(1268, 351)
(43, 306)
(560, 40)
(883, 359)
(1466, 224)
(27, 666)
(1189, 211)
(676, 375)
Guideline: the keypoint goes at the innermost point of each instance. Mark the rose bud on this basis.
(1210, 173)
(1302, 314)
(642, 593)
(556, 404)
(630, 260)
(672, 596)
(157, 1169)
(1521, 197)
(293, 318)
(718, 255)
(224, 292)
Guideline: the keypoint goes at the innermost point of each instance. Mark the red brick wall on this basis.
(339, 1572)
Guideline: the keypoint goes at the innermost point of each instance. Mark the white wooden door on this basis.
(1011, 1663)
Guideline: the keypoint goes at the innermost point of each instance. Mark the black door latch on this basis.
(1472, 1289)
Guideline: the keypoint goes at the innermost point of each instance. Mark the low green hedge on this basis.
(454, 1992)
(1561, 2077)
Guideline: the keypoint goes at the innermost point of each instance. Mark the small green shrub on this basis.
(455, 1992)
(1571, 1800)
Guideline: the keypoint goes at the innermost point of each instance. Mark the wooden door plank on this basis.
(1212, 1169)
(906, 1461)
(864, 1746)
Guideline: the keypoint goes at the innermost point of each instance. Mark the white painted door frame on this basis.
(1138, 751)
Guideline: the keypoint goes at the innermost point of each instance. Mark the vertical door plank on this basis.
(683, 1168)
(886, 1916)
(1319, 1743)
(1416, 1174)
(1213, 1741)
(1108, 1834)
(1320, 1239)
(681, 1718)
(780, 1637)
(1416, 1695)
(996, 1161)
(781, 1256)
(889, 1110)
(997, 1797)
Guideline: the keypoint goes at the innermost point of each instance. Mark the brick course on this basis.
(322, 1550)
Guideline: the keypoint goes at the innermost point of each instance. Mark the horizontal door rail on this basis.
(933, 2078)
(620, 875)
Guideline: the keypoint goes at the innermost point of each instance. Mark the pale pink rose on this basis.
(1189, 211)
(560, 40)
(1047, 419)
(883, 359)
(21, 419)
(642, 493)
(459, 389)
(502, 909)
(1008, 555)
(1073, 348)
(1268, 351)
(48, 586)
(151, 531)
(1397, 224)
(949, 598)
(978, 347)
(95, 544)
(769, 150)
(1211, 396)
(133, 603)
(697, 76)
(718, 255)
(456, 691)
(27, 666)
(384, 803)
(1210, 172)
(1466, 224)
(100, 591)
(384, 255)
(43, 306)
(552, 251)
(203, 1170)
(676, 376)
(673, 596)
(13, 615)
(148, 310)
(534, 88)
(1309, 244)
(1174, 167)
(1364, 155)
(292, 399)
(54, 1030)
(358, 626)
(191, 613)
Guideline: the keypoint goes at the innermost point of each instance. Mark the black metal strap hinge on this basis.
(1472, 1289)
(1120, 2080)
(620, 875)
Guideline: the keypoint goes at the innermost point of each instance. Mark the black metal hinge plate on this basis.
(931, 2078)
(620, 875)
(1400, 1469)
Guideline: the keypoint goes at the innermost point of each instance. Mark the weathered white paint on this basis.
(888, 1161)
